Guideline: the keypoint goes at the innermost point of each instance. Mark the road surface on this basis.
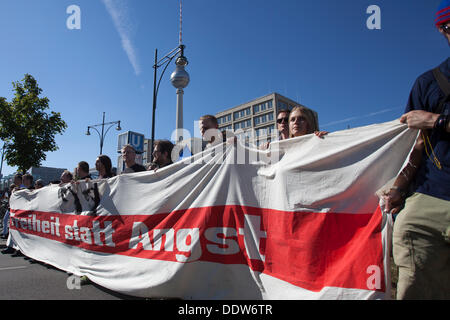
(24, 279)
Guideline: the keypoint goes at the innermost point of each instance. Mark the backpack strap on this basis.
(445, 87)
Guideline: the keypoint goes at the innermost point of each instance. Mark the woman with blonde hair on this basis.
(303, 121)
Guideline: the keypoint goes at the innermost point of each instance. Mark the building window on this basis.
(265, 131)
(282, 105)
(243, 124)
(228, 127)
(224, 119)
(242, 113)
(263, 118)
(262, 106)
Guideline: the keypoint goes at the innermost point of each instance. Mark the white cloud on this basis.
(118, 11)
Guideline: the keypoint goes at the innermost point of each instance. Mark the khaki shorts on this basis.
(421, 249)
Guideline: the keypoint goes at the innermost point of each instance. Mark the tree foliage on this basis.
(26, 127)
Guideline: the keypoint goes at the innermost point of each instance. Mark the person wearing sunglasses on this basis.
(420, 194)
(283, 124)
(282, 127)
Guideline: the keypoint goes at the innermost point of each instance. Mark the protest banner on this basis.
(300, 220)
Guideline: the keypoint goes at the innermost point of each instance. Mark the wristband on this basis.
(441, 123)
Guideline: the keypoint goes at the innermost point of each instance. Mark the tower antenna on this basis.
(181, 21)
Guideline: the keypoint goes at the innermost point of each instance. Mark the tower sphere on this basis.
(180, 78)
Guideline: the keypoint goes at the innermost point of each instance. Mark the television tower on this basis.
(180, 80)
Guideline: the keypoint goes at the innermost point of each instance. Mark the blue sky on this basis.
(319, 53)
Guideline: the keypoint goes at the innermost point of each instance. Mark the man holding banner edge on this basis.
(420, 238)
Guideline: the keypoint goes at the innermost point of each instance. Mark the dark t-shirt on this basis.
(137, 167)
(426, 95)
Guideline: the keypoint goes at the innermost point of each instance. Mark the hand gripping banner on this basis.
(300, 220)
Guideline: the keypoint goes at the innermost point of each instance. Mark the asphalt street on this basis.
(24, 279)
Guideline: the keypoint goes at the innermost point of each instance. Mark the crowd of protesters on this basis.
(420, 195)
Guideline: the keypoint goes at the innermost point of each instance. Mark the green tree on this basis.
(25, 126)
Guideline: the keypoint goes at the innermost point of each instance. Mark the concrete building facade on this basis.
(47, 174)
(256, 119)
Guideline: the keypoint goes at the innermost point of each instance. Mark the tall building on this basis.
(47, 174)
(256, 119)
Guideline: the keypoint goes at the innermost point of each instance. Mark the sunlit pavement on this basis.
(22, 278)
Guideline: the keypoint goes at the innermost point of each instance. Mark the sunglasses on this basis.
(281, 120)
(445, 28)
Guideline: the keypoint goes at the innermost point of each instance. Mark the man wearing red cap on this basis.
(421, 245)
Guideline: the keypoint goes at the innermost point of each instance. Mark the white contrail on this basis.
(359, 117)
(119, 14)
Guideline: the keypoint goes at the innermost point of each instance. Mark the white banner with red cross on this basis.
(300, 220)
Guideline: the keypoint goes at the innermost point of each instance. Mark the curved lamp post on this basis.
(179, 79)
(103, 133)
(3, 153)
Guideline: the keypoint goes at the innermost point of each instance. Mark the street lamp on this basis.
(103, 133)
(3, 153)
(180, 79)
